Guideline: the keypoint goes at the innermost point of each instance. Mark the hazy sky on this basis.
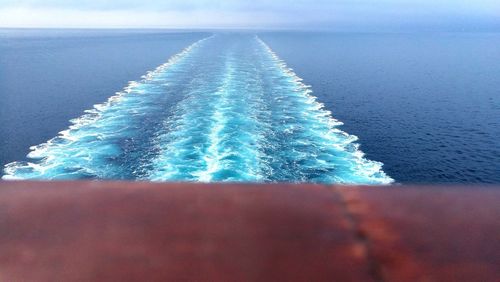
(321, 14)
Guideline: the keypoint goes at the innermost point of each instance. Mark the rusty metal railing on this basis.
(133, 231)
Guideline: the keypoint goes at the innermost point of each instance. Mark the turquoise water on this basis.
(224, 109)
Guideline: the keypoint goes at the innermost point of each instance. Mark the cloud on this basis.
(329, 14)
(28, 17)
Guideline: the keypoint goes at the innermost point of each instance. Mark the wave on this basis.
(92, 145)
(319, 152)
(227, 108)
(258, 123)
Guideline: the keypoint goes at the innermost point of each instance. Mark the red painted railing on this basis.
(117, 231)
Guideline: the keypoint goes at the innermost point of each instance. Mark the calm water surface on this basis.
(426, 105)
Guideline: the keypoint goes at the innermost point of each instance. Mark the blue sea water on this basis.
(50, 76)
(226, 107)
(425, 104)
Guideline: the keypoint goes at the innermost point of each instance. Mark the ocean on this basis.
(357, 108)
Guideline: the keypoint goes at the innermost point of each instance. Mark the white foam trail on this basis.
(213, 155)
(365, 168)
(51, 153)
(236, 112)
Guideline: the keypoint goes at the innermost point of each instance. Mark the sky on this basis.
(358, 15)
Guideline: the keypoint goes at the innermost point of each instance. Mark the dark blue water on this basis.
(226, 108)
(48, 77)
(425, 105)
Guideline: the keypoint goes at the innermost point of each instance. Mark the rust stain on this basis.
(429, 234)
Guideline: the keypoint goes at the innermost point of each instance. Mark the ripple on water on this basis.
(225, 109)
